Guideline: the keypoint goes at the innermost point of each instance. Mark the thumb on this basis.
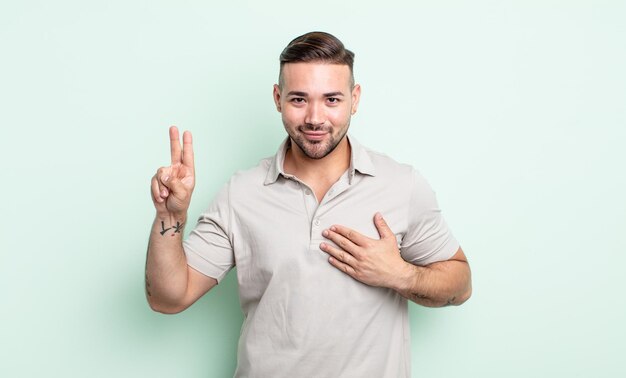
(176, 187)
(383, 229)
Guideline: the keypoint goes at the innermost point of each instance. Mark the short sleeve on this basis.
(428, 238)
(208, 248)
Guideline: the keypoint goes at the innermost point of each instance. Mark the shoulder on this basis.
(405, 178)
(388, 168)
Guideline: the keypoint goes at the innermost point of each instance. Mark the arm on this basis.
(379, 263)
(171, 285)
(439, 284)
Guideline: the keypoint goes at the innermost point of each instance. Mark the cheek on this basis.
(292, 115)
(339, 117)
(289, 120)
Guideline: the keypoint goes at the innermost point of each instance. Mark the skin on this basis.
(171, 285)
(316, 102)
(313, 98)
(377, 262)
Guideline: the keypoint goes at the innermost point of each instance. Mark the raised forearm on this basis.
(439, 284)
(166, 264)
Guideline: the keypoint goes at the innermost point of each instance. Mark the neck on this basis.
(325, 170)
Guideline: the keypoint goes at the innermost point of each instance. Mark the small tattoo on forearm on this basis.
(148, 286)
(177, 228)
(163, 229)
(419, 296)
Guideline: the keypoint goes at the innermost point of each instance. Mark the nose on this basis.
(315, 114)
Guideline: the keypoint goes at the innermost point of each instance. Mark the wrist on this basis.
(169, 224)
(405, 277)
(167, 216)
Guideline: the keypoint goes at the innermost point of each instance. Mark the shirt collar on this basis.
(359, 161)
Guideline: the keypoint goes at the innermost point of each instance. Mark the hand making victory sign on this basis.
(171, 285)
(172, 186)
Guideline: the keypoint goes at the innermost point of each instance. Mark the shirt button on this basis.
(307, 192)
(316, 222)
(330, 192)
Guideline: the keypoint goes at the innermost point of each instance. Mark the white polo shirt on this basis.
(304, 317)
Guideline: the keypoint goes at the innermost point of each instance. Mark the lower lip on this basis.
(315, 136)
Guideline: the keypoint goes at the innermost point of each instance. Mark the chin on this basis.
(316, 149)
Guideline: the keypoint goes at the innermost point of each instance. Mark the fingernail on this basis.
(322, 245)
(325, 232)
(164, 193)
(166, 178)
(333, 228)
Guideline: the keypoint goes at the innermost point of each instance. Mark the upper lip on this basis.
(319, 132)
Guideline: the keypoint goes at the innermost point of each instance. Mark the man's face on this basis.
(316, 102)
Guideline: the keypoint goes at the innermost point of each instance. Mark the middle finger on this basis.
(341, 241)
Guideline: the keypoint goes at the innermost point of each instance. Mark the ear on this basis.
(276, 95)
(356, 96)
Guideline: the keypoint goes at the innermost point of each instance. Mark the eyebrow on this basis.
(304, 94)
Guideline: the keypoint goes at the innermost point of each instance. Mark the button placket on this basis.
(316, 232)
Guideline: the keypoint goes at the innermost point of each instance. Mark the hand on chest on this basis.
(291, 233)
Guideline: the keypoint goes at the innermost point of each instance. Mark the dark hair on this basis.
(316, 47)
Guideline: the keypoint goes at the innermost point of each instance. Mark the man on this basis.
(323, 277)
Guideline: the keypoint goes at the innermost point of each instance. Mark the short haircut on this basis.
(316, 47)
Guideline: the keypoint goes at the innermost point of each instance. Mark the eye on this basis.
(333, 100)
(297, 100)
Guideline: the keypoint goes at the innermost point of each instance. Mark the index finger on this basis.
(355, 237)
(188, 150)
(175, 145)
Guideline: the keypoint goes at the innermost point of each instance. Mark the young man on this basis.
(323, 278)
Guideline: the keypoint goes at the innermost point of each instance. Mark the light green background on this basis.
(514, 111)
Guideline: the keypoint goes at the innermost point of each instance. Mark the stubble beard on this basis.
(316, 149)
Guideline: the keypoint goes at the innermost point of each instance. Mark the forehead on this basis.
(312, 76)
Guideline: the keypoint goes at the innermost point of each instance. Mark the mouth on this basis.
(315, 135)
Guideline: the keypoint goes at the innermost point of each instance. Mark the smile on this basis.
(315, 135)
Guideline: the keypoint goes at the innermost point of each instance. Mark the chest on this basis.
(284, 243)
